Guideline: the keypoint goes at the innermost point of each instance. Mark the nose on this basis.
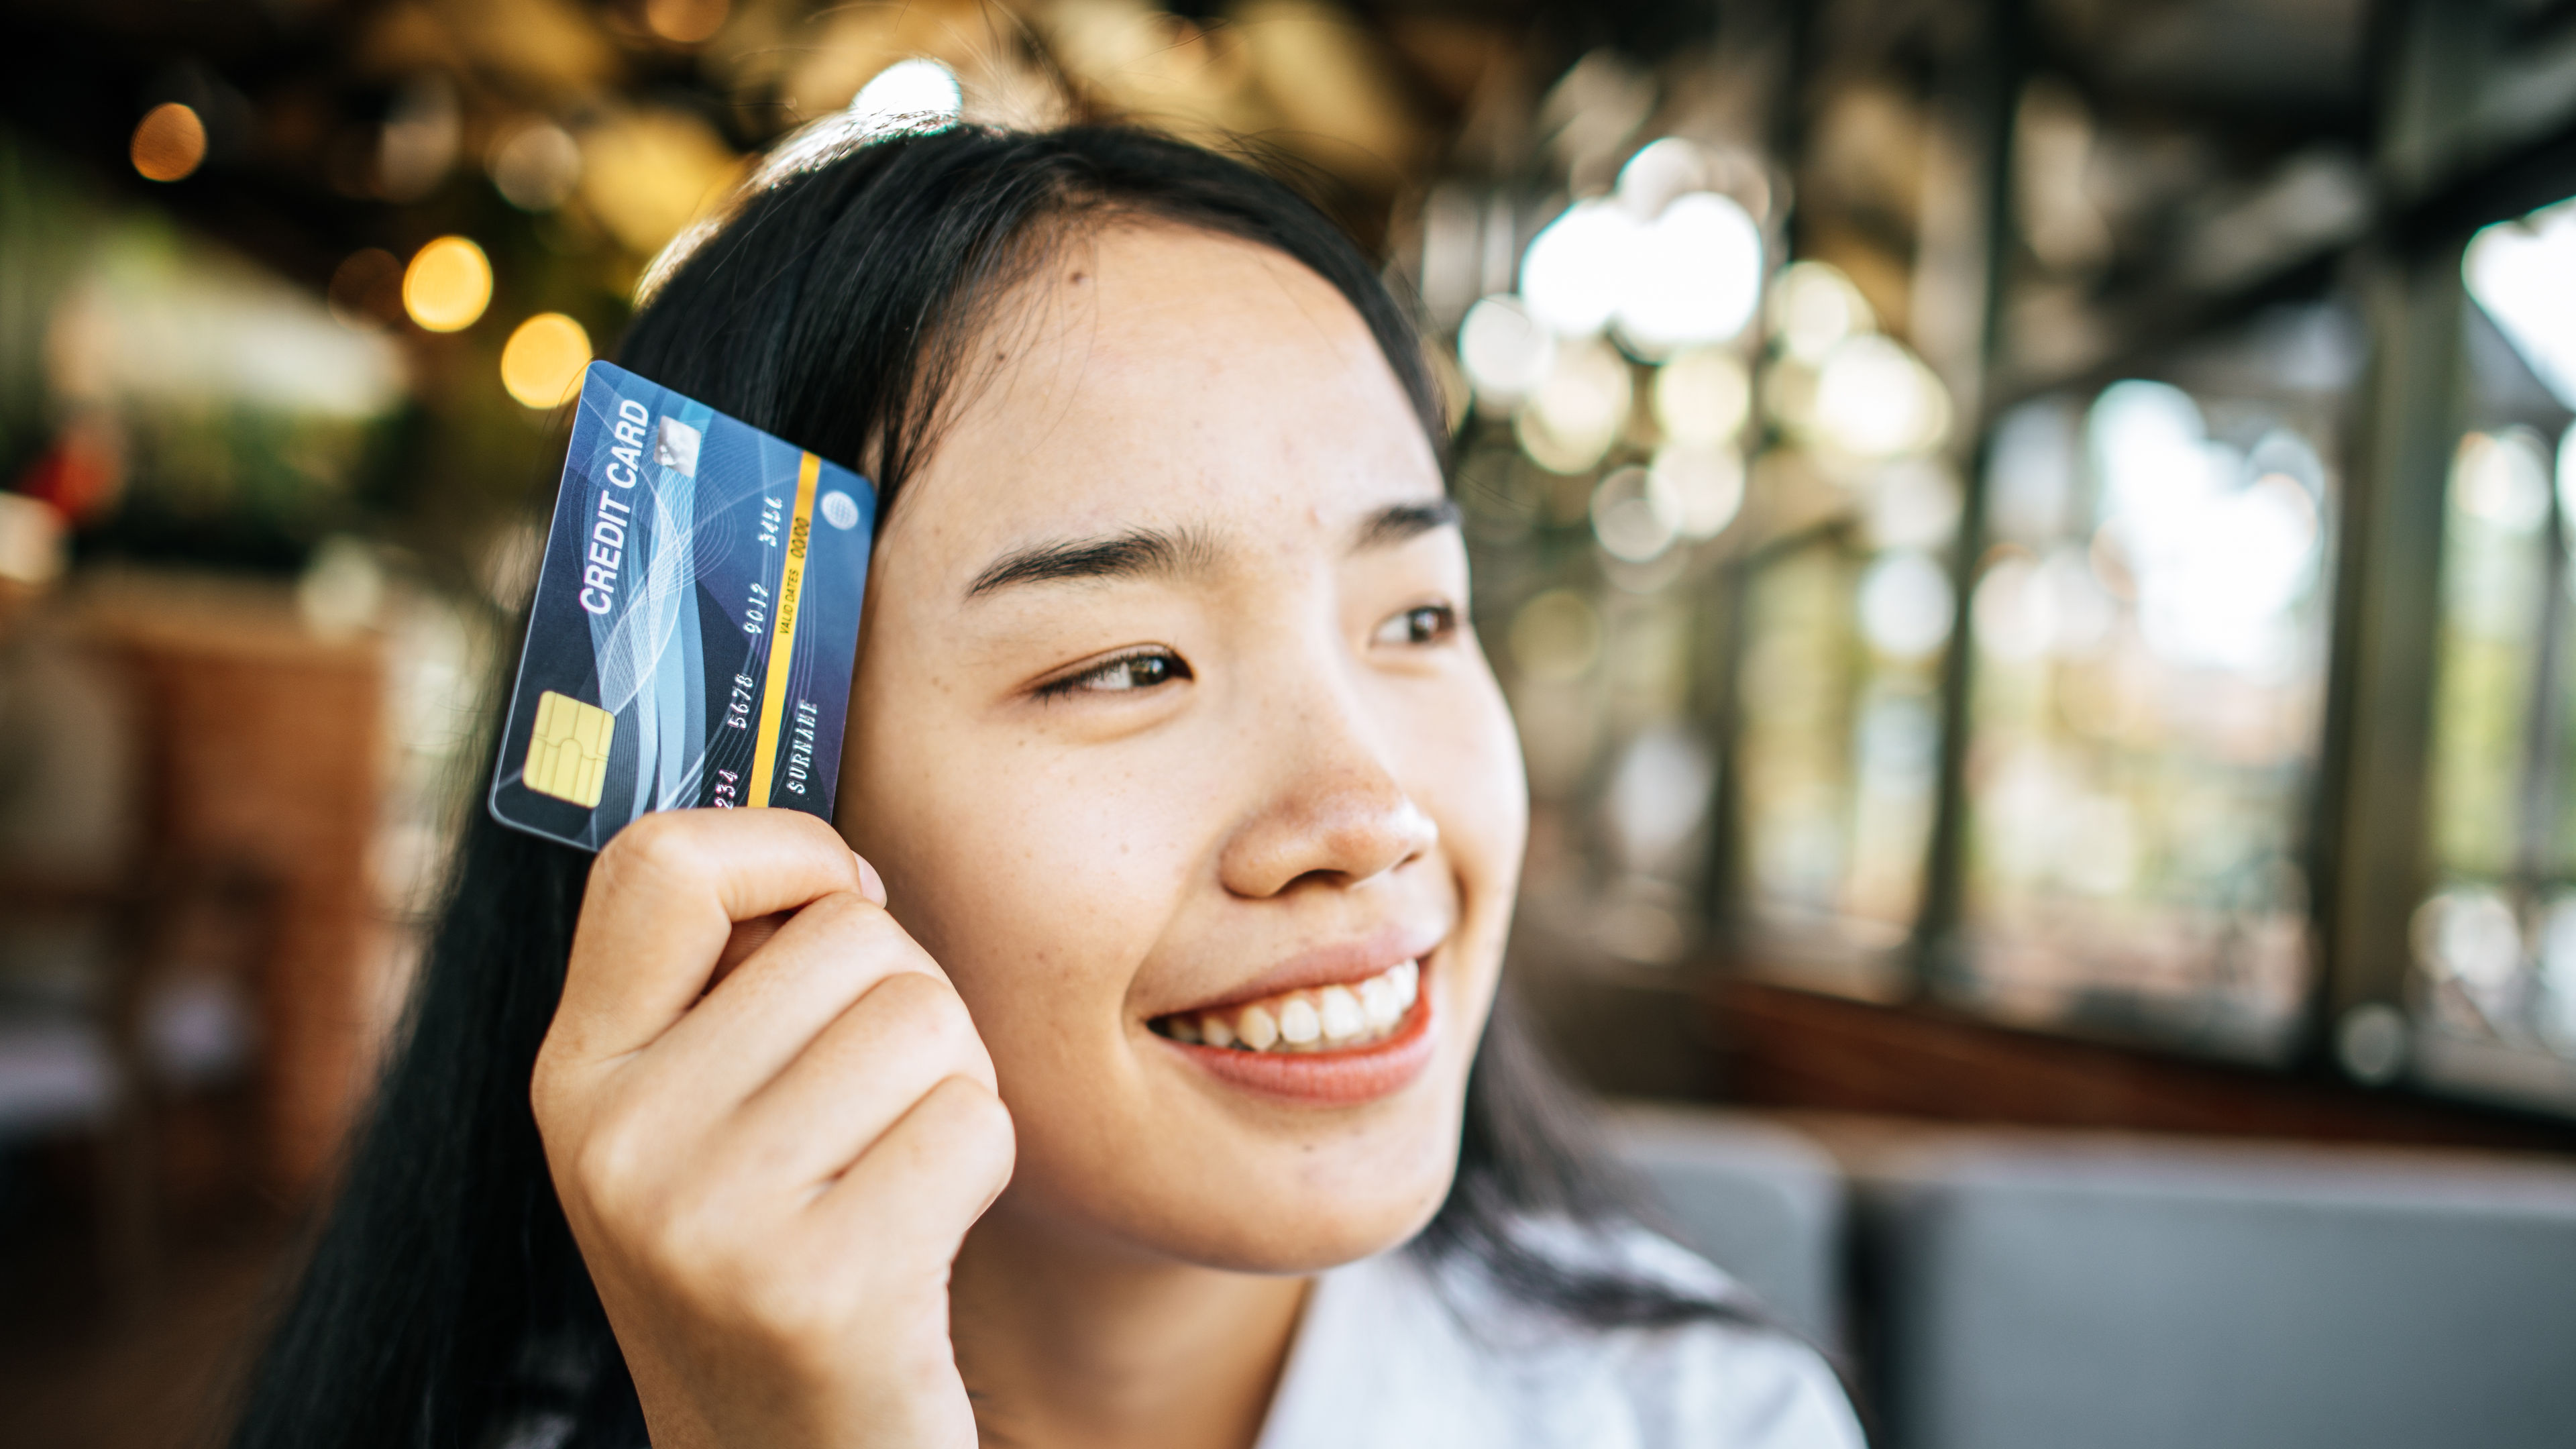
(1334, 812)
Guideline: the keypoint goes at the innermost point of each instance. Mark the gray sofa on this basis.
(2070, 1291)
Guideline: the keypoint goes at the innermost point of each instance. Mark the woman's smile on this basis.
(1340, 1024)
(1388, 1037)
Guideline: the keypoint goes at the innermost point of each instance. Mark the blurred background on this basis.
(2029, 542)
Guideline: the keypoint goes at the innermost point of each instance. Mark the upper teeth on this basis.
(1295, 1021)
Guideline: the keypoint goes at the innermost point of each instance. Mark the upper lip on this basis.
(1338, 964)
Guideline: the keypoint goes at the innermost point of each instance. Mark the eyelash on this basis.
(1165, 663)
(1424, 624)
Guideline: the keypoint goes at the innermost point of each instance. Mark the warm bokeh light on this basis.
(541, 363)
(537, 166)
(1814, 308)
(1702, 397)
(1700, 489)
(1875, 400)
(1578, 411)
(169, 142)
(686, 22)
(448, 285)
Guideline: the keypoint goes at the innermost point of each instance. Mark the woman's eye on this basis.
(1126, 672)
(1421, 624)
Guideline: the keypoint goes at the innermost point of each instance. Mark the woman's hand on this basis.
(768, 1176)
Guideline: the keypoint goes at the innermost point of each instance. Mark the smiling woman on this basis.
(1138, 1080)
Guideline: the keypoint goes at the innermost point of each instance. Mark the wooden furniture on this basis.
(262, 749)
(1784, 1047)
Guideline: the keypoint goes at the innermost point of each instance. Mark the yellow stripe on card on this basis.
(782, 640)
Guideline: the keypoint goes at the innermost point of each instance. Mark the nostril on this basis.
(1334, 832)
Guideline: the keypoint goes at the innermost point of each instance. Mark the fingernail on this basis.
(871, 884)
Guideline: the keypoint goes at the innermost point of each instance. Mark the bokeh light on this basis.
(1661, 171)
(1691, 274)
(2219, 552)
(1504, 351)
(1577, 413)
(2469, 934)
(1630, 519)
(1694, 275)
(910, 91)
(169, 143)
(2503, 479)
(686, 22)
(447, 285)
(1814, 307)
(1556, 636)
(1701, 398)
(536, 167)
(1905, 605)
(1575, 271)
(542, 362)
(1700, 489)
(1874, 400)
(2519, 273)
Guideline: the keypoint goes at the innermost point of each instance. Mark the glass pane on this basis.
(1841, 724)
(2495, 937)
(2151, 629)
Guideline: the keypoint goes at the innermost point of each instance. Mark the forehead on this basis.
(1153, 374)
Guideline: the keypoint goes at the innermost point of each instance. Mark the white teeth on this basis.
(1331, 1017)
(1377, 1004)
(1340, 1011)
(1298, 1023)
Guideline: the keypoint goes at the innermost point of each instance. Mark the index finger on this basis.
(662, 901)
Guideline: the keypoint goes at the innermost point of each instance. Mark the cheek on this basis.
(1037, 886)
(1467, 760)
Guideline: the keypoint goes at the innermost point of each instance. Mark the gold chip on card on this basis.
(568, 751)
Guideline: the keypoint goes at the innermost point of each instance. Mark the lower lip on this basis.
(1362, 1074)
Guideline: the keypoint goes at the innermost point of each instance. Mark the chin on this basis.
(1309, 1233)
(1290, 1199)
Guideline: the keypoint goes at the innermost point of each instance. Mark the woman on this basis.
(1133, 1083)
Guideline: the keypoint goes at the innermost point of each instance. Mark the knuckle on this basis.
(695, 1238)
(658, 847)
(928, 1013)
(845, 915)
(608, 1164)
(980, 1121)
(545, 1096)
(662, 844)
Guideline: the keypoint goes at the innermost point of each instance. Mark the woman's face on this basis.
(1168, 727)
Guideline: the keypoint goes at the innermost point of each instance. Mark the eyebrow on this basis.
(1158, 553)
(1136, 553)
(1402, 522)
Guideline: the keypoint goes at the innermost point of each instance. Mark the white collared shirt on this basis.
(1393, 1355)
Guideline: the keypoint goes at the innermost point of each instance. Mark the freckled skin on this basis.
(1079, 865)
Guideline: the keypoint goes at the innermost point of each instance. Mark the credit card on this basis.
(695, 621)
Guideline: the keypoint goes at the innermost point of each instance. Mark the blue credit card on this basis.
(694, 625)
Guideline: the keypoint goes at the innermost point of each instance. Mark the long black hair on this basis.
(444, 1300)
